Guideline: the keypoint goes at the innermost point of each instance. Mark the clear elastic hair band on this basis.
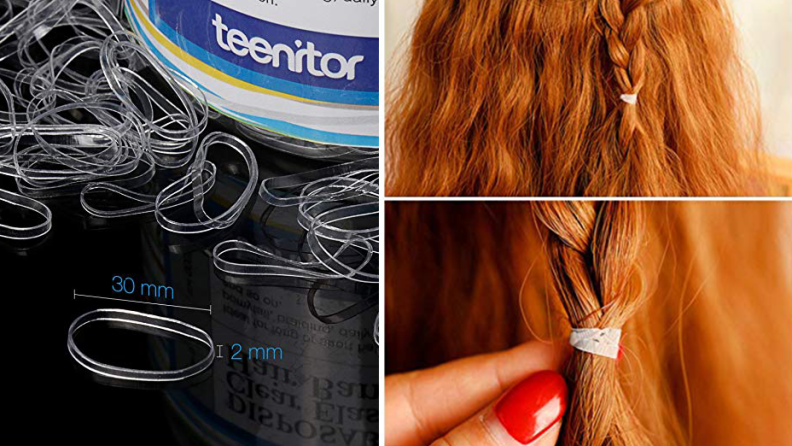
(146, 323)
(597, 341)
(631, 99)
(14, 232)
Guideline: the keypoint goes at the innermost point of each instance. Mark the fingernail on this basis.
(532, 407)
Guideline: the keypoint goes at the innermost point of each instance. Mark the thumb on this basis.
(530, 413)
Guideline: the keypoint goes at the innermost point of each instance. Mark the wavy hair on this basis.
(533, 98)
(701, 290)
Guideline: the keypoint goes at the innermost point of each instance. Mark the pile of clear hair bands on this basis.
(88, 117)
(94, 115)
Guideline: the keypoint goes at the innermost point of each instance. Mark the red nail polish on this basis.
(529, 409)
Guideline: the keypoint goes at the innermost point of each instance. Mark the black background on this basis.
(48, 390)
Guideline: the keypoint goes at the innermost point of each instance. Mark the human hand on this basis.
(452, 404)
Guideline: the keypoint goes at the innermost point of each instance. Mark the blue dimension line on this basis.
(76, 294)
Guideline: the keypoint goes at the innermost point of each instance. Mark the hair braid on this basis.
(592, 250)
(624, 22)
(522, 98)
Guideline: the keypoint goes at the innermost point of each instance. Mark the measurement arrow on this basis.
(89, 296)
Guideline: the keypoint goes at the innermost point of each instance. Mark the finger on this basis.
(424, 405)
(528, 414)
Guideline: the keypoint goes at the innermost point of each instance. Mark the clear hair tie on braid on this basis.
(597, 341)
(631, 99)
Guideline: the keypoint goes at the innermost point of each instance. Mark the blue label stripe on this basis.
(271, 83)
(312, 134)
(277, 126)
(201, 43)
(193, 20)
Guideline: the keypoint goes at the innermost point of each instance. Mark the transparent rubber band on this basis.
(322, 219)
(147, 201)
(328, 200)
(597, 341)
(266, 263)
(35, 12)
(318, 219)
(51, 153)
(174, 145)
(194, 182)
(54, 164)
(275, 190)
(631, 99)
(332, 259)
(376, 332)
(7, 131)
(342, 315)
(136, 321)
(30, 232)
(116, 159)
(121, 157)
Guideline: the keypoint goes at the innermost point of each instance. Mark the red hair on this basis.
(522, 97)
(701, 290)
